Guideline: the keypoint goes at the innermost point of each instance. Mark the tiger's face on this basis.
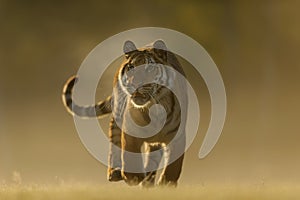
(142, 72)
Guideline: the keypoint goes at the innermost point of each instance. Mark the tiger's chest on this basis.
(141, 117)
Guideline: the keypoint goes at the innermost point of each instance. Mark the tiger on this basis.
(138, 102)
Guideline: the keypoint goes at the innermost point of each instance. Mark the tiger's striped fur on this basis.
(138, 102)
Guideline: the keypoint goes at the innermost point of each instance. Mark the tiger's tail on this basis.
(99, 109)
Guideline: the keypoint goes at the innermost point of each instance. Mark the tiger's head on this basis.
(142, 72)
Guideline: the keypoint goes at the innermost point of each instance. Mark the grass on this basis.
(111, 192)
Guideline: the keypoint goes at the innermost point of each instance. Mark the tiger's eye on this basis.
(130, 67)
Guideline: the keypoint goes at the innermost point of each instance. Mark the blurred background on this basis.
(255, 44)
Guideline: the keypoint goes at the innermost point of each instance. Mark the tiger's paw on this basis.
(133, 178)
(163, 182)
(114, 175)
(149, 181)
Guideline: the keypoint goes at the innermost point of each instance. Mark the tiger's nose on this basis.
(140, 77)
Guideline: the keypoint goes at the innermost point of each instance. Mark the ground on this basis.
(95, 192)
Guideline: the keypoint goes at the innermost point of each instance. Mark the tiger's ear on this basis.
(161, 49)
(159, 44)
(128, 47)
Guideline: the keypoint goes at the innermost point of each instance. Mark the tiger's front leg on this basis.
(172, 171)
(154, 155)
(132, 161)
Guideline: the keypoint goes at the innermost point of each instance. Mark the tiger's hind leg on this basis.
(154, 154)
(114, 158)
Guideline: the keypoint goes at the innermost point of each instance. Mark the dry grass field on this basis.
(94, 192)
